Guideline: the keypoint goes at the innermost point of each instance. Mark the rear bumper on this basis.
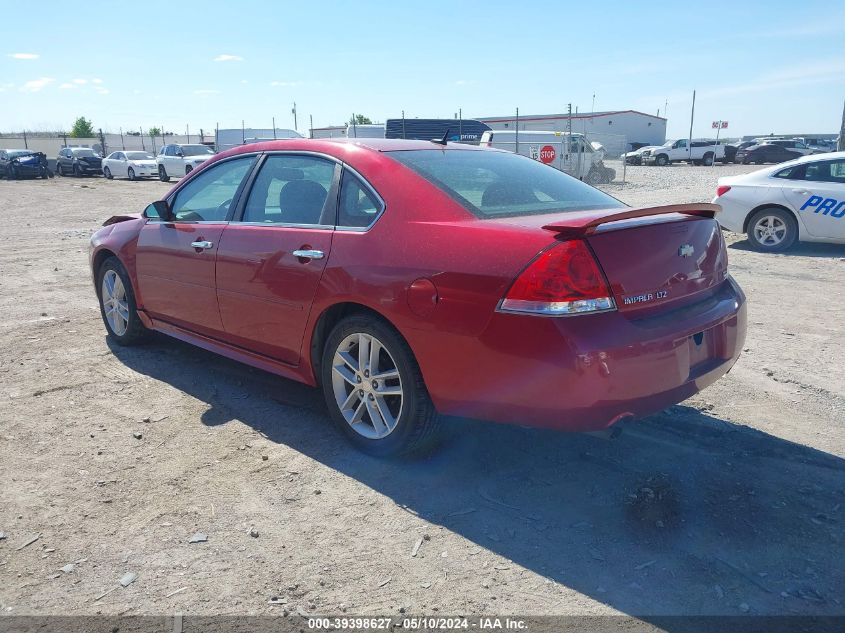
(586, 372)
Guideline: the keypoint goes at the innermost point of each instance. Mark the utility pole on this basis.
(460, 125)
(593, 108)
(310, 126)
(691, 118)
(294, 116)
(516, 149)
(143, 146)
(403, 124)
(122, 144)
(274, 128)
(841, 145)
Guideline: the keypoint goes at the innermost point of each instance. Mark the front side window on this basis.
(291, 189)
(139, 156)
(170, 150)
(358, 206)
(491, 184)
(208, 196)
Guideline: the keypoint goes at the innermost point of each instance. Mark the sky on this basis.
(765, 67)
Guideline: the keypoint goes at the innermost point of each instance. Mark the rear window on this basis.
(500, 184)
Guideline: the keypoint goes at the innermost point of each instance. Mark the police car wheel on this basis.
(772, 230)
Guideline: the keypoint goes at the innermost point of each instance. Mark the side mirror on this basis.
(159, 210)
(180, 154)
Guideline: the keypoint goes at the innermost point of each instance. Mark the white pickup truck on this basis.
(699, 152)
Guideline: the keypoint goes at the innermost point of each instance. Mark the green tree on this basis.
(360, 119)
(82, 128)
(154, 131)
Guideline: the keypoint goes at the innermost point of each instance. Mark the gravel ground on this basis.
(730, 503)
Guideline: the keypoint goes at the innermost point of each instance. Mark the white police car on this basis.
(803, 199)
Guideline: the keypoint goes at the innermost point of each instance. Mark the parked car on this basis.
(819, 145)
(635, 157)
(765, 153)
(699, 151)
(176, 160)
(580, 159)
(413, 280)
(803, 200)
(131, 164)
(793, 145)
(79, 161)
(19, 163)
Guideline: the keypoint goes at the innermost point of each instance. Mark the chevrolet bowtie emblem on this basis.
(686, 250)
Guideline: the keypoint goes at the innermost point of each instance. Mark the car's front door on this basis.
(117, 164)
(272, 257)
(817, 192)
(175, 259)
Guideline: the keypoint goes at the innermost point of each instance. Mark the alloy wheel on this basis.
(367, 386)
(115, 303)
(770, 230)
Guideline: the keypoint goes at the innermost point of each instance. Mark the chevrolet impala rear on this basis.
(413, 281)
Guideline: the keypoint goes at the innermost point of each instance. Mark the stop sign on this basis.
(547, 154)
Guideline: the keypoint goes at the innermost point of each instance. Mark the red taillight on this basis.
(721, 190)
(565, 279)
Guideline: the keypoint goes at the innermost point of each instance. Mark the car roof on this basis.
(341, 146)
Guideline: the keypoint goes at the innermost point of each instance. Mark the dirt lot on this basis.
(729, 503)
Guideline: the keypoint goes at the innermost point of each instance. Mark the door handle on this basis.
(203, 244)
(309, 254)
(800, 191)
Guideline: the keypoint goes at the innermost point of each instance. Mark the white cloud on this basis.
(102, 91)
(81, 82)
(228, 58)
(286, 84)
(24, 55)
(244, 81)
(96, 81)
(206, 92)
(4, 87)
(67, 86)
(37, 84)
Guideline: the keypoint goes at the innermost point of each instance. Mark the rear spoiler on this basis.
(579, 224)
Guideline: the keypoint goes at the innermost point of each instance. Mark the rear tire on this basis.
(117, 304)
(708, 159)
(162, 174)
(188, 169)
(410, 421)
(772, 230)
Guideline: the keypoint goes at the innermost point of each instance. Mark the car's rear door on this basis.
(272, 256)
(816, 191)
(175, 259)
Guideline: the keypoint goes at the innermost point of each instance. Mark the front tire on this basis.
(772, 230)
(130, 173)
(188, 169)
(162, 174)
(662, 160)
(708, 160)
(117, 304)
(107, 173)
(374, 389)
(77, 172)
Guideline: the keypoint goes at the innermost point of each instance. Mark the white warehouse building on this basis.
(617, 130)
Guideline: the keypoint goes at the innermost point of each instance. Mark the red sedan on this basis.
(412, 281)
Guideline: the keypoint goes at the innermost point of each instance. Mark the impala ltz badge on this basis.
(686, 250)
(645, 298)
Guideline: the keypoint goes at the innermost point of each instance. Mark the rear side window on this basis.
(358, 206)
(827, 171)
(291, 189)
(491, 184)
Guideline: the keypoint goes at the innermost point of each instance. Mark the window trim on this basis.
(333, 194)
(235, 199)
(379, 200)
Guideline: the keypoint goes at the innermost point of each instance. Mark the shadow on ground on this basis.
(684, 514)
(803, 249)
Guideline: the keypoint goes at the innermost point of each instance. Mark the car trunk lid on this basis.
(652, 256)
